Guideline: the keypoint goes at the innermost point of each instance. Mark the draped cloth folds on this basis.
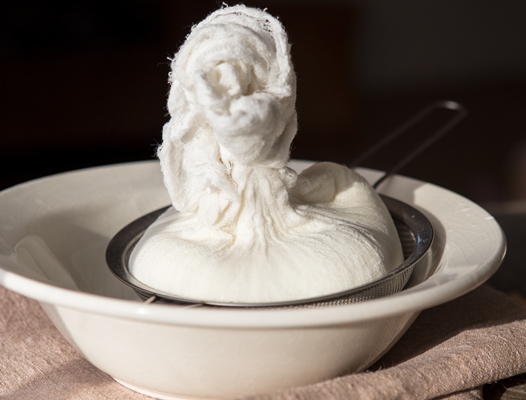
(450, 352)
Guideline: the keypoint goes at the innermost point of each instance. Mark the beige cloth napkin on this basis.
(450, 352)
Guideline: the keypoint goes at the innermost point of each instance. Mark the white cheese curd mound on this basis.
(244, 227)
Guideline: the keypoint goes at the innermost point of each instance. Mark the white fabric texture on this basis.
(248, 228)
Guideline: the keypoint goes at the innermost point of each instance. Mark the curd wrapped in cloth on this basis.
(244, 227)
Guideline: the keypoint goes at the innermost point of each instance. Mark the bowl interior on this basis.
(54, 233)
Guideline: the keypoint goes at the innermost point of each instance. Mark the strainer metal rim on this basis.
(121, 245)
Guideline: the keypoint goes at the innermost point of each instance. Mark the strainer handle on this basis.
(460, 113)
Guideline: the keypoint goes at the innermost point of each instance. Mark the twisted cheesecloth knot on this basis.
(247, 227)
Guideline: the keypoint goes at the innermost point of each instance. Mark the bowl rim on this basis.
(444, 286)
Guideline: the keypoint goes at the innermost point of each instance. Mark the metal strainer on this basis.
(414, 230)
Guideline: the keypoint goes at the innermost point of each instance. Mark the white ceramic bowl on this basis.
(53, 236)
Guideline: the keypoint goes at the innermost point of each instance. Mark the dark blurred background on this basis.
(84, 83)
